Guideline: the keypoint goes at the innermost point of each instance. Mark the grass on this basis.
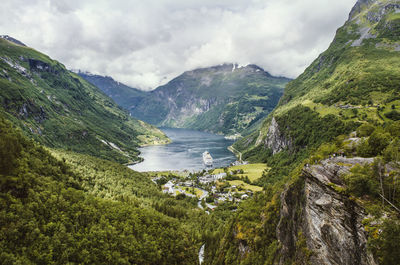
(191, 190)
(253, 171)
(198, 192)
(245, 186)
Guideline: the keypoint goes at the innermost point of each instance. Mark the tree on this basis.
(365, 130)
(362, 181)
(378, 141)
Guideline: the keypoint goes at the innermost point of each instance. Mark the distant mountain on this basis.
(125, 96)
(11, 39)
(62, 110)
(225, 99)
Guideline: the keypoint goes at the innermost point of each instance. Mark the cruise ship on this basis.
(207, 159)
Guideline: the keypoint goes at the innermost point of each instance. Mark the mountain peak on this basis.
(382, 8)
(359, 6)
(11, 39)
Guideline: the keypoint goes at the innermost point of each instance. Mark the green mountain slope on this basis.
(224, 99)
(84, 210)
(355, 80)
(332, 146)
(125, 96)
(60, 109)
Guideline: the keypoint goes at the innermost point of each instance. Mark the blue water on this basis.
(185, 151)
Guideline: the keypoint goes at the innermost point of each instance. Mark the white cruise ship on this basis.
(207, 159)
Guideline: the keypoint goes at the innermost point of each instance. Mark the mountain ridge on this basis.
(225, 99)
(124, 95)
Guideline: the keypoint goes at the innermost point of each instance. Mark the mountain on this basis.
(61, 110)
(65, 196)
(225, 99)
(332, 146)
(355, 80)
(125, 96)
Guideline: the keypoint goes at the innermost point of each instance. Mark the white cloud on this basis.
(146, 43)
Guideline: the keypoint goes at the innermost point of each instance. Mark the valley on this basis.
(304, 171)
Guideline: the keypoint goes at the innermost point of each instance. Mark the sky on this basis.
(146, 43)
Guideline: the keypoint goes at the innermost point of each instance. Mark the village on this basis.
(212, 187)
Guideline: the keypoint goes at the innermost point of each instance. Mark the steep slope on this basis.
(330, 194)
(125, 96)
(224, 99)
(83, 210)
(61, 110)
(356, 79)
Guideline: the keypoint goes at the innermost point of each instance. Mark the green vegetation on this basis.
(308, 129)
(253, 226)
(252, 171)
(47, 217)
(241, 185)
(61, 110)
(61, 206)
(345, 88)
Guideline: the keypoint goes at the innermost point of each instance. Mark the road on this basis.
(236, 152)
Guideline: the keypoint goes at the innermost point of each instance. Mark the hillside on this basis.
(61, 110)
(125, 96)
(225, 99)
(62, 207)
(355, 80)
(332, 147)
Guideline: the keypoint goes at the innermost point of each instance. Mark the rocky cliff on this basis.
(329, 222)
(321, 220)
(275, 140)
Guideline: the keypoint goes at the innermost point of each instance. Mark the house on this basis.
(244, 196)
(169, 187)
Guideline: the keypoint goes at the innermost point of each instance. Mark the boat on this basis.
(207, 159)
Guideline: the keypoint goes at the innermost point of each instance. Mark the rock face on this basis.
(359, 6)
(40, 66)
(330, 222)
(275, 140)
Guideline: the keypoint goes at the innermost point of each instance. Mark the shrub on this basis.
(393, 115)
(365, 130)
(361, 181)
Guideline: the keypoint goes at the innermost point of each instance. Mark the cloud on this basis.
(147, 43)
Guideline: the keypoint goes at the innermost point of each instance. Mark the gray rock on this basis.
(330, 222)
(275, 140)
(359, 7)
(364, 34)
